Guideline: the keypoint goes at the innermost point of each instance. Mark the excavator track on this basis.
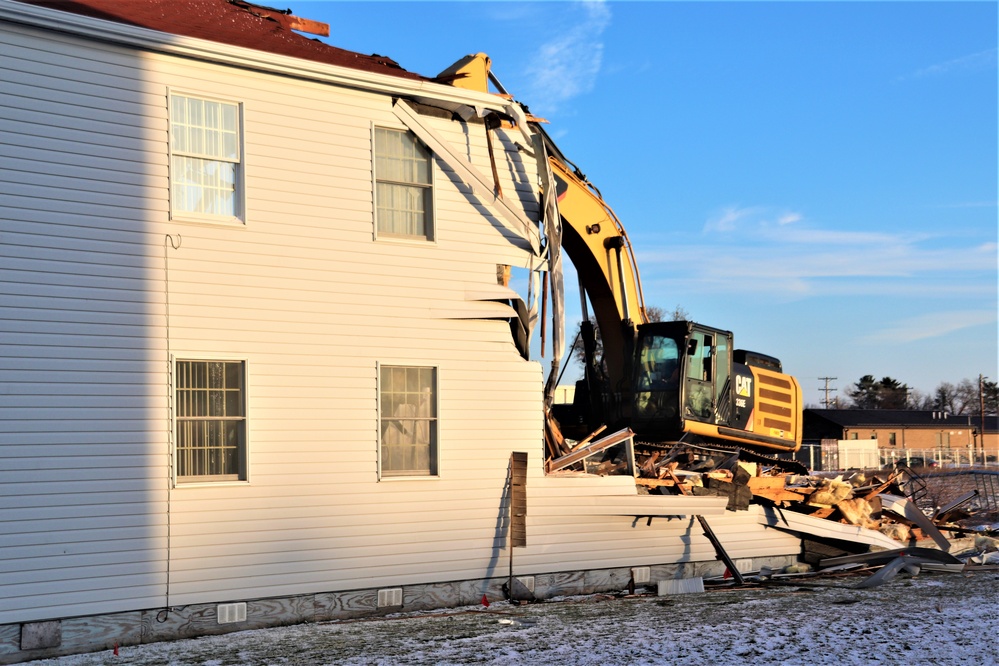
(789, 466)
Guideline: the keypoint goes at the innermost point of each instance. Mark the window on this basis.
(408, 412)
(892, 440)
(204, 157)
(211, 420)
(403, 185)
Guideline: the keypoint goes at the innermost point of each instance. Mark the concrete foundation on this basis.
(58, 637)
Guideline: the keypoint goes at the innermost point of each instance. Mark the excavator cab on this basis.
(688, 380)
(682, 372)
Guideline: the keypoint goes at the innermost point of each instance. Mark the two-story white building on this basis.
(256, 366)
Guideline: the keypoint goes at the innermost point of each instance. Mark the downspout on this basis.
(171, 480)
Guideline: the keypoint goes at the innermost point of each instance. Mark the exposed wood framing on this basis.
(513, 219)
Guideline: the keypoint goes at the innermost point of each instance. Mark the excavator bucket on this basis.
(469, 73)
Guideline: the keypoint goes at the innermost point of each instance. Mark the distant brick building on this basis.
(900, 430)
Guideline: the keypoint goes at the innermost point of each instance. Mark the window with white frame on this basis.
(403, 185)
(204, 157)
(211, 420)
(408, 412)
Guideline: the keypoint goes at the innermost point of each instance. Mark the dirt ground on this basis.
(933, 618)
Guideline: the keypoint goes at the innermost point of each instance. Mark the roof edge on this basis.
(205, 50)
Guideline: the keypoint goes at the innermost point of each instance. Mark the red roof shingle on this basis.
(233, 22)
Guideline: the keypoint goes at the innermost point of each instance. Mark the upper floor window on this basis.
(211, 420)
(408, 397)
(204, 157)
(403, 185)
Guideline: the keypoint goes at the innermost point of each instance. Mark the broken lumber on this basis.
(588, 450)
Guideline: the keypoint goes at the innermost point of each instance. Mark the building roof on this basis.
(880, 418)
(231, 22)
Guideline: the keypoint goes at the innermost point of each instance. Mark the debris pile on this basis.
(891, 501)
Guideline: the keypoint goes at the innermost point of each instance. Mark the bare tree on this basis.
(966, 397)
(966, 393)
(652, 312)
(919, 400)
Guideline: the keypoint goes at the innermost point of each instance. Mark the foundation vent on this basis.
(230, 613)
(641, 575)
(528, 582)
(390, 597)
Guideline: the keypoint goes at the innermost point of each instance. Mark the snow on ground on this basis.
(934, 618)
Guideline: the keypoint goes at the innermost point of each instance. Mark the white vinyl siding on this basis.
(403, 185)
(204, 157)
(408, 415)
(83, 166)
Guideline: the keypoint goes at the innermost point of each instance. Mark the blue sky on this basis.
(819, 178)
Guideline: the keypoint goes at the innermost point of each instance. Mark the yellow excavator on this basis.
(668, 381)
(664, 380)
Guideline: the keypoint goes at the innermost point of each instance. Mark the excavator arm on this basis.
(598, 247)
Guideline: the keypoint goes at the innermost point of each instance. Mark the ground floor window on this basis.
(408, 414)
(211, 420)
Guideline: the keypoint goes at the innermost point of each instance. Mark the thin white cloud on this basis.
(979, 61)
(729, 218)
(568, 65)
(749, 254)
(732, 217)
(931, 325)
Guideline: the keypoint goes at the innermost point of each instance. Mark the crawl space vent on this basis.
(229, 613)
(641, 575)
(390, 597)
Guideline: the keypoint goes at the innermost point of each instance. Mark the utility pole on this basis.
(981, 411)
(826, 390)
